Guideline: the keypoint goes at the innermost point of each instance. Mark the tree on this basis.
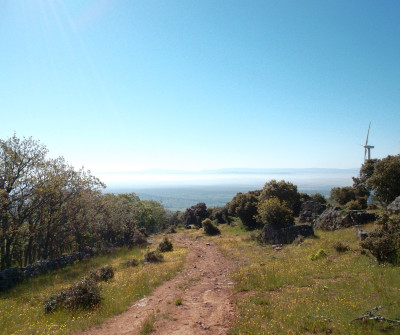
(385, 180)
(342, 195)
(20, 161)
(318, 197)
(275, 212)
(244, 206)
(196, 214)
(284, 191)
(360, 185)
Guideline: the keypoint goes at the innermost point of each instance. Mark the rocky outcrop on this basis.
(394, 207)
(335, 218)
(310, 210)
(284, 235)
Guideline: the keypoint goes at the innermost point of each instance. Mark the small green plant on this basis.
(321, 253)
(148, 325)
(209, 228)
(153, 256)
(178, 302)
(165, 245)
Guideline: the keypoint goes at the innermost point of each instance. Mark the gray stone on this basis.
(310, 210)
(394, 207)
(284, 235)
(335, 218)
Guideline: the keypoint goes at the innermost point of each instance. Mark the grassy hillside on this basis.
(284, 292)
(22, 310)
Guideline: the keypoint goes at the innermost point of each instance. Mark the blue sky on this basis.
(132, 85)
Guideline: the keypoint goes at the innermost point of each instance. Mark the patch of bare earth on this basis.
(204, 287)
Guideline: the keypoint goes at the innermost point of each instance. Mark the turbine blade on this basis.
(366, 142)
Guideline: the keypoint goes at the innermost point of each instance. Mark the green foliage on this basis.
(341, 247)
(354, 205)
(342, 195)
(178, 302)
(321, 253)
(165, 245)
(244, 206)
(209, 228)
(385, 181)
(275, 212)
(84, 294)
(148, 325)
(284, 191)
(132, 262)
(196, 214)
(384, 242)
(153, 256)
(318, 197)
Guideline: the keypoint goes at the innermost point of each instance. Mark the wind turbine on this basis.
(367, 151)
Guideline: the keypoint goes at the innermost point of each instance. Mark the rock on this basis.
(285, 235)
(362, 234)
(335, 218)
(394, 207)
(310, 210)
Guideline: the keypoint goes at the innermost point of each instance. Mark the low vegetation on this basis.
(284, 292)
(22, 310)
(209, 228)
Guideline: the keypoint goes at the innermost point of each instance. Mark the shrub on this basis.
(165, 245)
(210, 228)
(321, 253)
(84, 294)
(139, 238)
(273, 211)
(178, 302)
(341, 247)
(171, 230)
(384, 242)
(132, 262)
(353, 205)
(103, 274)
(153, 256)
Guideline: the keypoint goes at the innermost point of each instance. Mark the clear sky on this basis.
(131, 85)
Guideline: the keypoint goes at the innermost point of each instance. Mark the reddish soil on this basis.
(204, 287)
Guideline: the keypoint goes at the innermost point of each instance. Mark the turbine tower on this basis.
(367, 151)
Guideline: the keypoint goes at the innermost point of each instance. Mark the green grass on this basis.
(22, 310)
(148, 325)
(284, 292)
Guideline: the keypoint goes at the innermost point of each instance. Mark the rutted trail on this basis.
(204, 287)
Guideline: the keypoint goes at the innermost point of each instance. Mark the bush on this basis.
(84, 294)
(210, 228)
(153, 256)
(353, 205)
(341, 247)
(103, 274)
(273, 211)
(165, 245)
(171, 230)
(384, 242)
(132, 262)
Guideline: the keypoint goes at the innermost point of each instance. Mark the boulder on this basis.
(394, 207)
(310, 210)
(335, 218)
(272, 234)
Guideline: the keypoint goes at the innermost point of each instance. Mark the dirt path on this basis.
(204, 287)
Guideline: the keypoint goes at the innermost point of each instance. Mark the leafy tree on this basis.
(20, 161)
(342, 195)
(196, 214)
(220, 214)
(360, 185)
(318, 197)
(284, 191)
(275, 212)
(244, 206)
(385, 180)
